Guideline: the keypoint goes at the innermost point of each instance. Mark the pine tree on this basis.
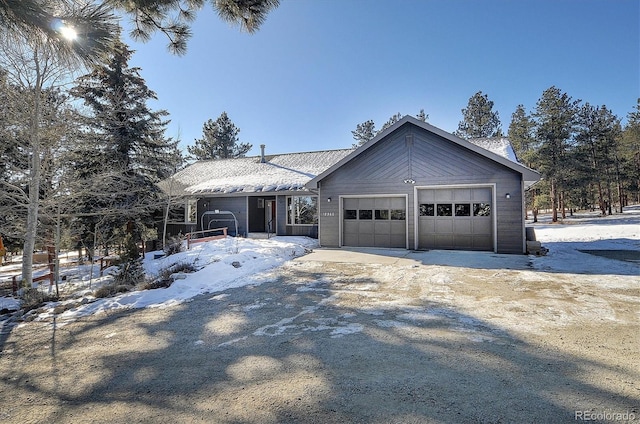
(555, 119)
(521, 136)
(597, 137)
(171, 17)
(630, 151)
(364, 132)
(219, 141)
(45, 23)
(367, 130)
(395, 118)
(122, 153)
(479, 120)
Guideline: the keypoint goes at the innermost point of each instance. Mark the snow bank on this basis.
(222, 264)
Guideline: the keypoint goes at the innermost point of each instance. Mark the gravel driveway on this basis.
(398, 340)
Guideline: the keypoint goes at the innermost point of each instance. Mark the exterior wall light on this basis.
(508, 196)
(328, 199)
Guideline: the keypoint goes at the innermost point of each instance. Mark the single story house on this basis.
(413, 186)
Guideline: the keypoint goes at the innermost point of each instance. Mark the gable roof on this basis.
(285, 172)
(503, 155)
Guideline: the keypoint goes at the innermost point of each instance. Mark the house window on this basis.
(303, 210)
(191, 211)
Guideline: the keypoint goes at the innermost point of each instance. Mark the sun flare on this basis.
(69, 33)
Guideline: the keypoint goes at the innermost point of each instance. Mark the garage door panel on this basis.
(482, 226)
(462, 226)
(444, 241)
(482, 242)
(443, 195)
(350, 227)
(443, 226)
(365, 239)
(397, 240)
(481, 195)
(463, 241)
(350, 239)
(462, 194)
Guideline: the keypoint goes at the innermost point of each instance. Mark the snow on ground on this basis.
(588, 231)
(237, 262)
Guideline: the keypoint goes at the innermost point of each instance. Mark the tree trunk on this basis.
(601, 202)
(554, 201)
(35, 174)
(621, 195)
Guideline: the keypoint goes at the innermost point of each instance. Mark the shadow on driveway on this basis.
(315, 343)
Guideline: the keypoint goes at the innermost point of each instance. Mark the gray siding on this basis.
(237, 205)
(428, 159)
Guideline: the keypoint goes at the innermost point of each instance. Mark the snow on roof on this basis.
(285, 172)
(499, 145)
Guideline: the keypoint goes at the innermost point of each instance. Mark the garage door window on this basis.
(398, 215)
(365, 214)
(382, 214)
(350, 214)
(463, 209)
(481, 209)
(427, 209)
(445, 210)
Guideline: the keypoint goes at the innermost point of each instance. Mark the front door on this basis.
(270, 216)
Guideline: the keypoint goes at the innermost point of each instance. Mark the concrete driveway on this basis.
(366, 336)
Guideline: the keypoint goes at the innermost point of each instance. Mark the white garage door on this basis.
(374, 222)
(455, 218)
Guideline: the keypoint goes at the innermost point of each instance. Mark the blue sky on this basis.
(317, 68)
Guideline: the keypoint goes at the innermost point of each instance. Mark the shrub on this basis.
(129, 273)
(34, 298)
(174, 246)
(165, 279)
(112, 289)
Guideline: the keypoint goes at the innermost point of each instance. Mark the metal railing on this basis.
(192, 238)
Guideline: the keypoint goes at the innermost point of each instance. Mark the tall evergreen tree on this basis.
(219, 141)
(630, 151)
(521, 136)
(555, 120)
(123, 151)
(479, 119)
(597, 136)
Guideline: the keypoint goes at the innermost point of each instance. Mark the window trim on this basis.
(191, 205)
